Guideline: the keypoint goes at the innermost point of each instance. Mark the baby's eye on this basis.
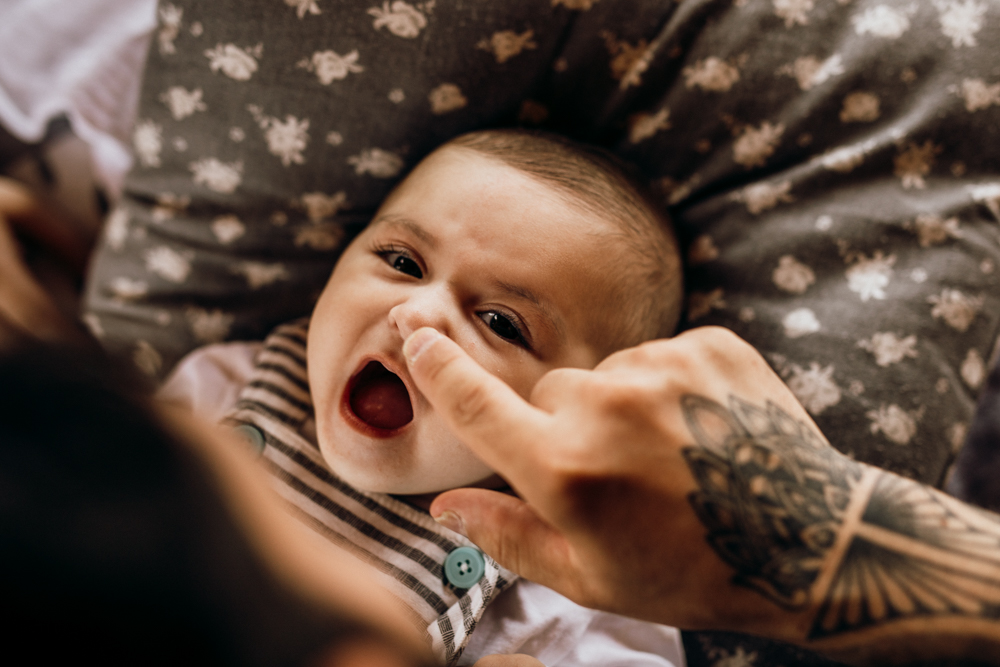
(502, 326)
(402, 262)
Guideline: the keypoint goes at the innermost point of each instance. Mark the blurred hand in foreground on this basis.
(25, 305)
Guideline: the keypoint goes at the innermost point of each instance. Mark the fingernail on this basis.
(419, 341)
(451, 521)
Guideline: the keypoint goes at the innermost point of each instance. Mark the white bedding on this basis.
(79, 58)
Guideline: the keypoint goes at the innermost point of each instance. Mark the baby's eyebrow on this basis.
(528, 295)
(410, 226)
(517, 290)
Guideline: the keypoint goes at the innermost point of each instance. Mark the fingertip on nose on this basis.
(418, 342)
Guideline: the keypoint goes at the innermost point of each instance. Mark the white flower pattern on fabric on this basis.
(914, 163)
(303, 7)
(234, 62)
(755, 145)
(642, 126)
(320, 206)
(171, 17)
(810, 72)
(860, 107)
(506, 44)
(711, 74)
(116, 229)
(760, 197)
(169, 264)
(889, 349)
(957, 309)
(320, 237)
(222, 177)
(401, 19)
(169, 205)
(628, 62)
(209, 326)
(881, 21)
(979, 95)
(793, 12)
(701, 304)
(125, 289)
(792, 276)
(286, 139)
(973, 370)
(896, 424)
(329, 66)
(259, 274)
(961, 20)
(147, 139)
(702, 250)
(814, 387)
(227, 228)
(377, 162)
(800, 322)
(931, 230)
(868, 277)
(182, 102)
(445, 98)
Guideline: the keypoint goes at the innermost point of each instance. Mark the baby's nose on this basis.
(427, 310)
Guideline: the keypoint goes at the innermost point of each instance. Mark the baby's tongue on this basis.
(380, 399)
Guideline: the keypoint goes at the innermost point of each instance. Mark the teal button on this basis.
(464, 566)
(253, 436)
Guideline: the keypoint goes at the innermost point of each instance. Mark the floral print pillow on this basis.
(827, 163)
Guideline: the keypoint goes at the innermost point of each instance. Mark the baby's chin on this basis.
(412, 485)
(399, 470)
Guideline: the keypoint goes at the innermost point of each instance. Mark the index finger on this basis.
(478, 407)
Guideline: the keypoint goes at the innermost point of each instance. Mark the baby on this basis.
(532, 253)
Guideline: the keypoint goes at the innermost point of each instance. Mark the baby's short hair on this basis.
(651, 289)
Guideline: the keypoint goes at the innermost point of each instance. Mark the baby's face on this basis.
(493, 259)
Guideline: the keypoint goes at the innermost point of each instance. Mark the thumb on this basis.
(478, 407)
(507, 529)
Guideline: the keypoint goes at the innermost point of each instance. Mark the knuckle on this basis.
(471, 406)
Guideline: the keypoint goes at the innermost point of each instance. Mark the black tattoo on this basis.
(772, 494)
(915, 552)
(804, 525)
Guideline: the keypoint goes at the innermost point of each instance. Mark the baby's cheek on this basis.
(451, 461)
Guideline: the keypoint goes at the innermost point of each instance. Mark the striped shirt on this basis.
(404, 545)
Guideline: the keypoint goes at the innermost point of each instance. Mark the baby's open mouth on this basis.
(379, 398)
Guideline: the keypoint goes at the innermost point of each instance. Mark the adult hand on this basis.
(681, 482)
(25, 305)
(618, 469)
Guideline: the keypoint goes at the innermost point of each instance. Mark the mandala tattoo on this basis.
(772, 494)
(801, 524)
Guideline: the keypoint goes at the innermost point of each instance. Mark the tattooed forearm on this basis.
(813, 530)
(914, 553)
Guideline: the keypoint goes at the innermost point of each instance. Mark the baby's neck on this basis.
(421, 501)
